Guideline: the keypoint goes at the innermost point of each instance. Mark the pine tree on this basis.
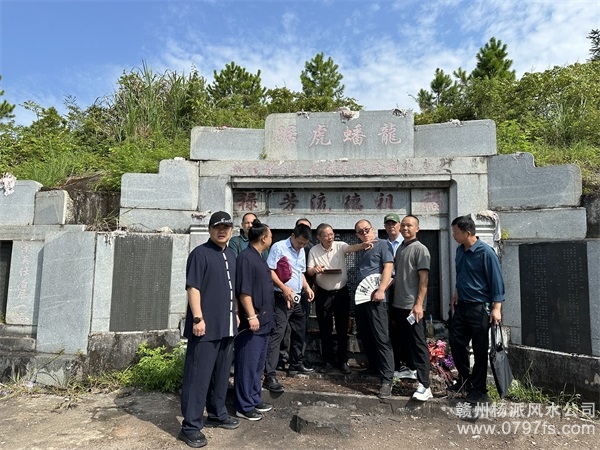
(320, 78)
(594, 36)
(492, 62)
(6, 108)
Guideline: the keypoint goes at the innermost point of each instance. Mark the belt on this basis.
(469, 303)
(333, 291)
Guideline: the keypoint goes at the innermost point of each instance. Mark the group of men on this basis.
(235, 293)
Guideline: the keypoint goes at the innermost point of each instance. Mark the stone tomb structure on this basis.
(79, 292)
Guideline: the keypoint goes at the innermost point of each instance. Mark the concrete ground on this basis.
(301, 419)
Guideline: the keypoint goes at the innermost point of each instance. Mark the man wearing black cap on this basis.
(210, 326)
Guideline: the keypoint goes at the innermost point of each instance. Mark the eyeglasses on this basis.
(364, 231)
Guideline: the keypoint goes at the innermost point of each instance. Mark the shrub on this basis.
(158, 370)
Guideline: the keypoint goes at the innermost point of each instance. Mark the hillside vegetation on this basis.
(554, 114)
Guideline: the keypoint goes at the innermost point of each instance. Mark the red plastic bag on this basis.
(284, 270)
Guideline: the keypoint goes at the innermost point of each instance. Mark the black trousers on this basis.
(412, 344)
(372, 325)
(470, 322)
(296, 317)
(333, 307)
(205, 381)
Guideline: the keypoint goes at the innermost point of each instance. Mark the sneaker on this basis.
(385, 391)
(253, 415)
(264, 407)
(407, 374)
(271, 384)
(195, 440)
(231, 423)
(422, 393)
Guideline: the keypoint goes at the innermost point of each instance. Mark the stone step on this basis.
(16, 344)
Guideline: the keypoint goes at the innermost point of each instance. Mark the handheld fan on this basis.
(367, 287)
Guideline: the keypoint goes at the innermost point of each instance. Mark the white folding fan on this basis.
(366, 288)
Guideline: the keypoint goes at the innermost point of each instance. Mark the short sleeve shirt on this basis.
(410, 258)
(372, 261)
(334, 258)
(211, 270)
(297, 261)
(253, 278)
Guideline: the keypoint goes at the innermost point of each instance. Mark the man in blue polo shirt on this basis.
(476, 303)
(289, 306)
(210, 326)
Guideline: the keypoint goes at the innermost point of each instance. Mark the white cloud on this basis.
(385, 49)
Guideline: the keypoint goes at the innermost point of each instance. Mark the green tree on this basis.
(6, 108)
(492, 61)
(235, 87)
(425, 100)
(441, 87)
(321, 85)
(320, 78)
(282, 100)
(594, 36)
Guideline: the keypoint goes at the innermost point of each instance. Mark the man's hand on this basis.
(254, 324)
(288, 294)
(367, 245)
(379, 295)
(199, 329)
(496, 313)
(310, 293)
(418, 312)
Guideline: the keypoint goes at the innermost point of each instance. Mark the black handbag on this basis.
(499, 362)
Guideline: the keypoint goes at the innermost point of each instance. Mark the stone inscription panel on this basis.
(5, 256)
(555, 305)
(333, 135)
(303, 201)
(141, 283)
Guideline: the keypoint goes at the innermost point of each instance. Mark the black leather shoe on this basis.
(295, 370)
(272, 385)
(231, 423)
(195, 440)
(326, 368)
(345, 368)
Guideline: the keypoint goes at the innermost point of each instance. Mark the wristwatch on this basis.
(198, 319)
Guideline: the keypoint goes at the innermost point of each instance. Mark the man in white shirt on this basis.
(327, 264)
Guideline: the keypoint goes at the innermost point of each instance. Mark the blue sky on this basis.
(385, 49)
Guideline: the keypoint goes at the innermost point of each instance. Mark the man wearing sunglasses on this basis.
(372, 317)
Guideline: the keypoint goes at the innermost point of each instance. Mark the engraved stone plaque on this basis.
(141, 283)
(303, 201)
(5, 256)
(555, 306)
